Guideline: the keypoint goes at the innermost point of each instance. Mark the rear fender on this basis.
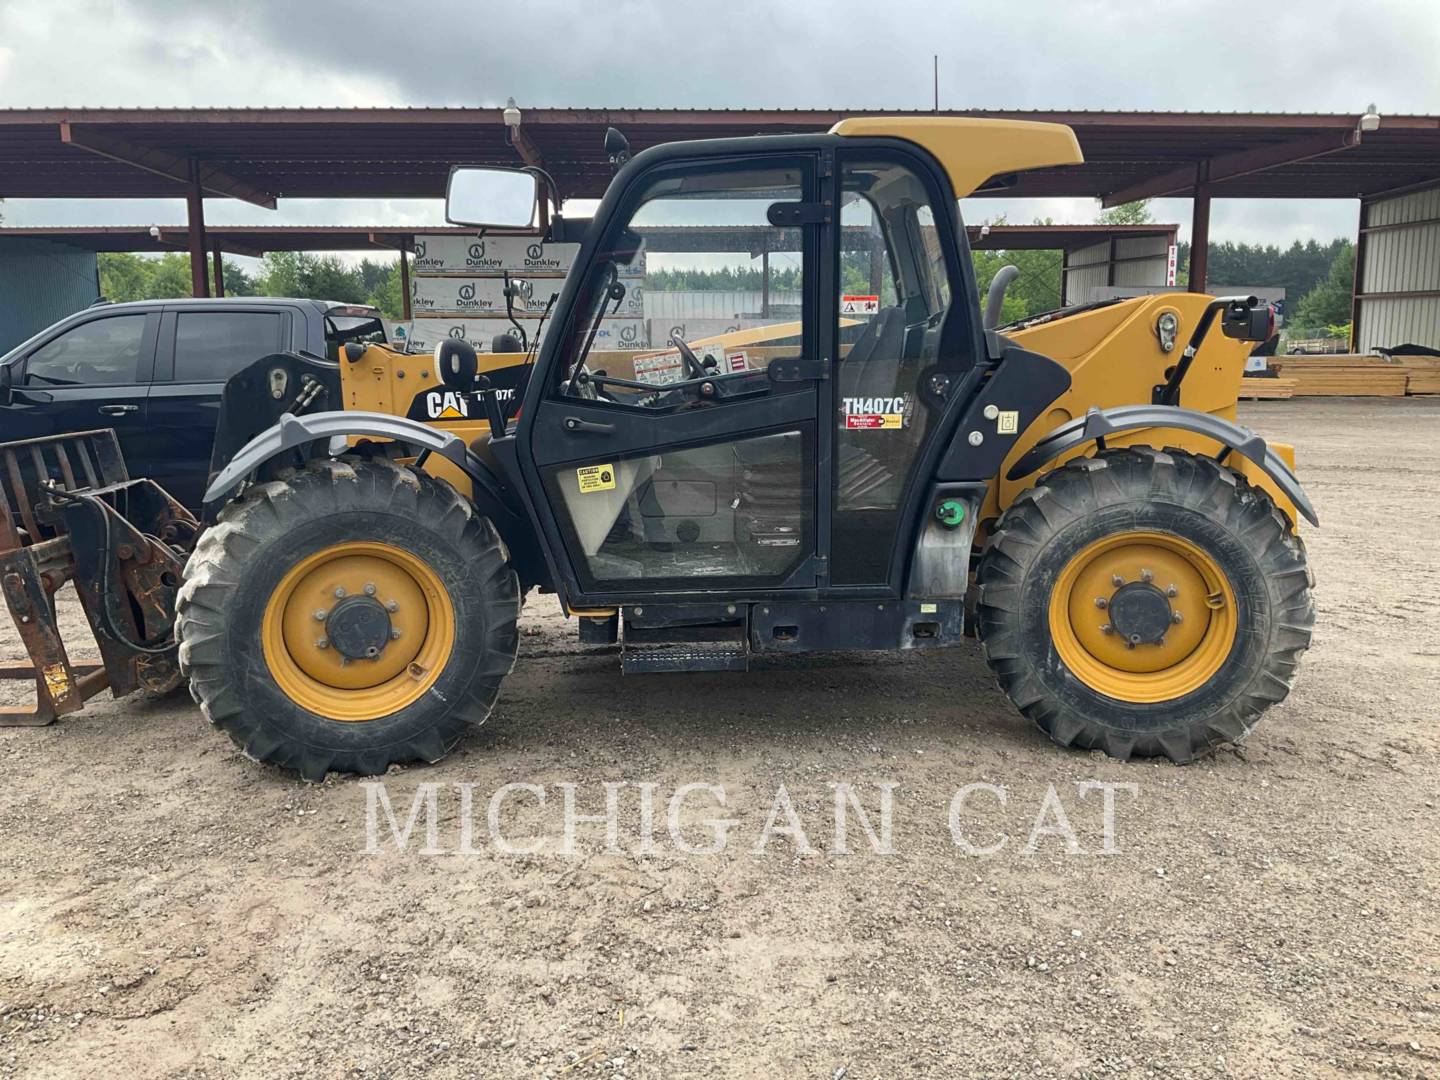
(1099, 424)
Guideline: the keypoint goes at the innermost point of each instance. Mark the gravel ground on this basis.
(168, 908)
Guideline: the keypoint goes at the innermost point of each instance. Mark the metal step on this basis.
(686, 656)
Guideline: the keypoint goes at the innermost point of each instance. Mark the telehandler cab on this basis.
(887, 471)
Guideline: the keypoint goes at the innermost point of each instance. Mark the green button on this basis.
(951, 513)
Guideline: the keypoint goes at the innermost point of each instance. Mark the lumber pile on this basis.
(1359, 376)
(1266, 389)
(1423, 381)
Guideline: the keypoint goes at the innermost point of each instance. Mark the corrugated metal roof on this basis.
(406, 152)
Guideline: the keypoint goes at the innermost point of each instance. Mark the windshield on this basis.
(695, 257)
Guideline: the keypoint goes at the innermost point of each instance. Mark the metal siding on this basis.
(698, 304)
(1403, 259)
(1154, 250)
(1079, 282)
(42, 282)
(1093, 275)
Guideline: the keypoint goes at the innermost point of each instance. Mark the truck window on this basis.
(210, 346)
(103, 352)
(359, 328)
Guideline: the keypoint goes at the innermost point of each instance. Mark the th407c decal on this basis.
(863, 413)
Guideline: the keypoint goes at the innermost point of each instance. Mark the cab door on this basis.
(676, 445)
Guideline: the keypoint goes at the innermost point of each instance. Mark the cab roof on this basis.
(973, 151)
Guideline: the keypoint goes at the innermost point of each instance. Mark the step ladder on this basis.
(685, 640)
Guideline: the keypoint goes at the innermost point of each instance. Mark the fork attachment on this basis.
(70, 512)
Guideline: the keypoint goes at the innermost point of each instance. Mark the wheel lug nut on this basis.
(1177, 617)
(394, 635)
(1101, 603)
(1146, 576)
(1107, 629)
(369, 589)
(392, 607)
(1116, 580)
(322, 643)
(321, 615)
(1134, 640)
(339, 592)
(1172, 591)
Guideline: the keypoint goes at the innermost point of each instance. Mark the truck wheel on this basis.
(356, 614)
(1144, 603)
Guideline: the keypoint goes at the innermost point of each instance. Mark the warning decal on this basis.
(659, 370)
(1008, 422)
(859, 305)
(595, 478)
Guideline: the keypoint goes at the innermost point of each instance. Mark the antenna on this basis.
(935, 61)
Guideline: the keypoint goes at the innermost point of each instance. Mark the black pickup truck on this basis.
(154, 371)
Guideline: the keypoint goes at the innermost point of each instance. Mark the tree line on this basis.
(127, 276)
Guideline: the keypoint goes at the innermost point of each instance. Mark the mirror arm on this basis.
(552, 189)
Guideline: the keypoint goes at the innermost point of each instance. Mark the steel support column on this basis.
(219, 262)
(1199, 238)
(195, 212)
(1357, 282)
(405, 283)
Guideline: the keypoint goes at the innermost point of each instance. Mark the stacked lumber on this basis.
(1424, 380)
(1265, 389)
(1343, 376)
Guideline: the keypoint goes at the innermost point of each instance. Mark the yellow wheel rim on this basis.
(407, 619)
(1143, 617)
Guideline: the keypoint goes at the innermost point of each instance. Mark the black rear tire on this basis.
(238, 565)
(1144, 492)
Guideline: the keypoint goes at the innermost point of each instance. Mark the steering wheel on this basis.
(693, 368)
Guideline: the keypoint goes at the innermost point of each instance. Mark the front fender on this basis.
(335, 430)
(1097, 424)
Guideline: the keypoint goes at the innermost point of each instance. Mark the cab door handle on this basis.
(574, 423)
(118, 410)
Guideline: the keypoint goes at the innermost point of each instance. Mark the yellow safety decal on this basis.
(595, 478)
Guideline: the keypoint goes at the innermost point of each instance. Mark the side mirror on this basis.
(1248, 320)
(491, 197)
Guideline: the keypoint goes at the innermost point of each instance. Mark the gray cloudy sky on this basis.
(1293, 55)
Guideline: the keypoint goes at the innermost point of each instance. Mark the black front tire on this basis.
(239, 563)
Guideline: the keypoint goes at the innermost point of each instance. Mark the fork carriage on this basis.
(70, 512)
